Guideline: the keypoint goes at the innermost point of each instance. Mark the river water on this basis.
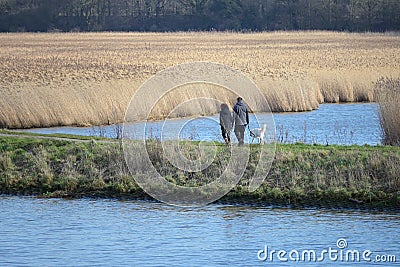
(343, 124)
(91, 232)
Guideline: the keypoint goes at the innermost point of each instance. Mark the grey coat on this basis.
(241, 114)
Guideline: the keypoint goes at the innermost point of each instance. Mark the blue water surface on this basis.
(343, 124)
(91, 232)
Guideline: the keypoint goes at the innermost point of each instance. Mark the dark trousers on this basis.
(226, 134)
(239, 132)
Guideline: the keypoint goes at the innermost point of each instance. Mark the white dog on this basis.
(259, 134)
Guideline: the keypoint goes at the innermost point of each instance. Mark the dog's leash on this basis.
(251, 133)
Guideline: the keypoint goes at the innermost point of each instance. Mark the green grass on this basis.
(301, 175)
(333, 176)
(65, 136)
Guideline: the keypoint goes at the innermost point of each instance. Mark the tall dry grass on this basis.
(388, 97)
(89, 78)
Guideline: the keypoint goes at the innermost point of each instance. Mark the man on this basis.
(241, 114)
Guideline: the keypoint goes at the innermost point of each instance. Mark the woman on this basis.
(226, 122)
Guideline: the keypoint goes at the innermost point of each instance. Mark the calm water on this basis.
(39, 232)
(330, 124)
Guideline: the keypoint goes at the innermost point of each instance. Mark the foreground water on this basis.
(343, 124)
(87, 232)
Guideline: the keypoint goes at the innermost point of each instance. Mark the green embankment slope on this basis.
(301, 175)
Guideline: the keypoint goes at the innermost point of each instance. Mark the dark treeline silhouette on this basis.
(199, 15)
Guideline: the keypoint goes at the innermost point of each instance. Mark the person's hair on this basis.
(224, 106)
(239, 99)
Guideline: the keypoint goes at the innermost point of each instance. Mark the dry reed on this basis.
(388, 97)
(89, 78)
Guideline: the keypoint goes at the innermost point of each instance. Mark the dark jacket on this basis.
(241, 114)
(226, 119)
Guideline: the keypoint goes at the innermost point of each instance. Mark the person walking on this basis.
(226, 122)
(241, 118)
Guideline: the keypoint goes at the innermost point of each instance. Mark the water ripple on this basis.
(38, 232)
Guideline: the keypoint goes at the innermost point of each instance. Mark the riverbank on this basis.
(302, 175)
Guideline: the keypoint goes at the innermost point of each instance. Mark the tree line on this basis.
(199, 15)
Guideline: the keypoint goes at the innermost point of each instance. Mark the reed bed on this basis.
(388, 97)
(89, 78)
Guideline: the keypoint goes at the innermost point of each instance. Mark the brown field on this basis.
(89, 78)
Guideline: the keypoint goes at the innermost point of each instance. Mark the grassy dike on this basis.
(301, 175)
